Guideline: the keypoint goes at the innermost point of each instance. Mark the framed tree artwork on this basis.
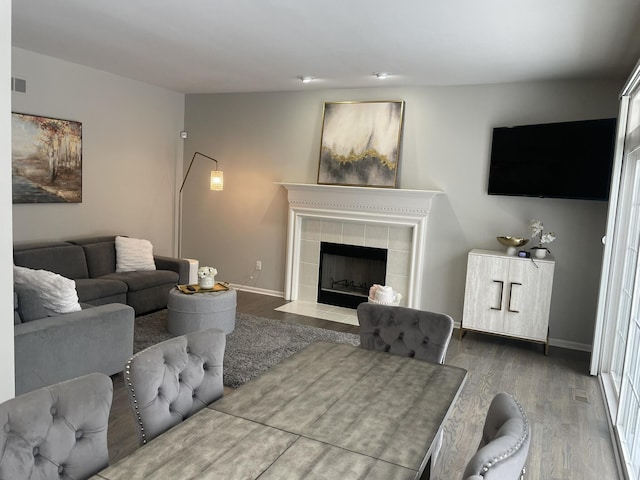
(46, 159)
(360, 143)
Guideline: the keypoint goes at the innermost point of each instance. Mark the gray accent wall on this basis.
(262, 138)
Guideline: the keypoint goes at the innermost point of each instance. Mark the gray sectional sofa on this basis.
(61, 347)
(91, 262)
(98, 338)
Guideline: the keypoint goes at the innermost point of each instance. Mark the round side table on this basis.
(201, 311)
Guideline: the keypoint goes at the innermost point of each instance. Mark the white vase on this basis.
(540, 252)
(207, 282)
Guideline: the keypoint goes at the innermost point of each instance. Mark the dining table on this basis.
(329, 411)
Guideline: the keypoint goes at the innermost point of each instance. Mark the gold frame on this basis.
(360, 143)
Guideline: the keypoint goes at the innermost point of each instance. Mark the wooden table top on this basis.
(330, 411)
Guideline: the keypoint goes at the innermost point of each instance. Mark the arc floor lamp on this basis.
(216, 184)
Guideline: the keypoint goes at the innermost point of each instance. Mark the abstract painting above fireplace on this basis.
(361, 143)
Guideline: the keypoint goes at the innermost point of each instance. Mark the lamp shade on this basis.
(217, 180)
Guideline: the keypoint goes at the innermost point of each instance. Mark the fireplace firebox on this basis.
(348, 271)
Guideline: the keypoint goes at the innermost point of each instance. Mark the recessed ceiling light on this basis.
(382, 75)
(305, 78)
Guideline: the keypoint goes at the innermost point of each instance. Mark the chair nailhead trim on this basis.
(127, 379)
(511, 451)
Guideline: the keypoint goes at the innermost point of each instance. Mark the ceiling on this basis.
(207, 46)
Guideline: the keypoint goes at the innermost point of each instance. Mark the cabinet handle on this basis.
(510, 290)
(501, 291)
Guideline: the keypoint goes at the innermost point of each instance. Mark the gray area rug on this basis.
(255, 345)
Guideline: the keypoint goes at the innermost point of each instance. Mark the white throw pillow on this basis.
(57, 293)
(134, 254)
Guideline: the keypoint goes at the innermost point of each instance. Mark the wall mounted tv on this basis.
(554, 160)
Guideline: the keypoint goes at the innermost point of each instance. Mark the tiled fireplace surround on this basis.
(395, 219)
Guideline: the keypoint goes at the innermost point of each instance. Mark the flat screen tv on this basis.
(554, 160)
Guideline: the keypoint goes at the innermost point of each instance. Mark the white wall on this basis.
(7, 384)
(263, 138)
(131, 149)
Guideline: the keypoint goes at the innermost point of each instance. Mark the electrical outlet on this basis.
(258, 265)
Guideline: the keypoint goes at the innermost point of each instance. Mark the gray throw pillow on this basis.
(30, 305)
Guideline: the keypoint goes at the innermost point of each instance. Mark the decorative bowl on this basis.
(509, 241)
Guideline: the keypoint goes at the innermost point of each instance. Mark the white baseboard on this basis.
(557, 342)
(263, 291)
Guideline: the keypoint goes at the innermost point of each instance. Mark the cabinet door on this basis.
(529, 289)
(528, 292)
(485, 294)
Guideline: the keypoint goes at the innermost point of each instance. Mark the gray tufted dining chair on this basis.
(504, 445)
(405, 331)
(174, 379)
(58, 431)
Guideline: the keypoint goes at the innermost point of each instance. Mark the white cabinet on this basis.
(507, 295)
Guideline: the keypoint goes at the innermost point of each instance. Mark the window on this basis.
(616, 353)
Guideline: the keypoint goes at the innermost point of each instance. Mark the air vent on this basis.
(18, 85)
(579, 395)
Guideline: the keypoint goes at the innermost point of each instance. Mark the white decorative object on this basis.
(540, 252)
(537, 229)
(207, 277)
(57, 293)
(134, 254)
(384, 295)
(193, 270)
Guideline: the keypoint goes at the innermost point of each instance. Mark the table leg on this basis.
(426, 473)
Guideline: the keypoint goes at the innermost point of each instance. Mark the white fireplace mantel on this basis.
(378, 206)
(360, 199)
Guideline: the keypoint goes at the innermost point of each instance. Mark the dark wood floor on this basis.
(570, 434)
